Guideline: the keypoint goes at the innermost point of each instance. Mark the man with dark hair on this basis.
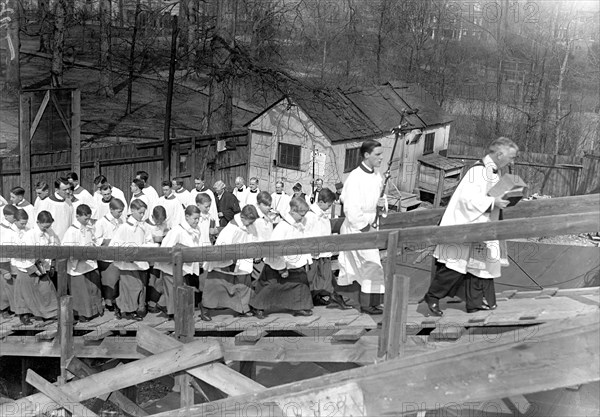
(281, 201)
(251, 193)
(81, 193)
(137, 193)
(227, 204)
(361, 273)
(116, 192)
(475, 264)
(201, 187)
(180, 193)
(17, 198)
(148, 189)
(42, 191)
(60, 206)
(172, 205)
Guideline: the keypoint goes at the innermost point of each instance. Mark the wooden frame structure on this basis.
(371, 390)
(29, 120)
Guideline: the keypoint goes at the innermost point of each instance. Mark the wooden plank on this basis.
(62, 278)
(61, 398)
(98, 334)
(48, 334)
(387, 332)
(25, 143)
(184, 325)
(451, 332)
(518, 405)
(61, 115)
(525, 209)
(351, 334)
(394, 323)
(216, 374)
(65, 326)
(39, 114)
(161, 364)
(250, 335)
(81, 370)
(531, 315)
(550, 361)
(74, 133)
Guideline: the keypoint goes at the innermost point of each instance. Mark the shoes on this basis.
(153, 309)
(205, 315)
(246, 314)
(132, 316)
(25, 319)
(83, 319)
(118, 314)
(142, 313)
(260, 314)
(434, 306)
(110, 307)
(372, 310)
(339, 301)
(480, 308)
(6, 314)
(302, 313)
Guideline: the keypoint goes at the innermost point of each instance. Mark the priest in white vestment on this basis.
(474, 263)
(361, 272)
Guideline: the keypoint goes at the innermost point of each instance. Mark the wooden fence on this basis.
(190, 156)
(554, 175)
(589, 182)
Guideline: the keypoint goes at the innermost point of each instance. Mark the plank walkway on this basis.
(330, 335)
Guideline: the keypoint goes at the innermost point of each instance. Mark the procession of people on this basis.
(294, 283)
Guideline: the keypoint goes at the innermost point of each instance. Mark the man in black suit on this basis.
(227, 204)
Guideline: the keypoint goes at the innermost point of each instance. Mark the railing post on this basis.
(61, 278)
(393, 330)
(184, 323)
(65, 326)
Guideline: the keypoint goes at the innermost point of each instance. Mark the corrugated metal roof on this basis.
(362, 112)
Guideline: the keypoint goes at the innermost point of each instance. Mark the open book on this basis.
(510, 187)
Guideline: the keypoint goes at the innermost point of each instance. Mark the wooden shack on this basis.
(437, 176)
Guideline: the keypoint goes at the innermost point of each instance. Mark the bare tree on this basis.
(10, 16)
(58, 42)
(104, 12)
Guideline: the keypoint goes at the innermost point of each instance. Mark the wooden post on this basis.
(390, 268)
(61, 277)
(75, 131)
(167, 128)
(184, 324)
(65, 325)
(25, 142)
(440, 189)
(25, 390)
(193, 160)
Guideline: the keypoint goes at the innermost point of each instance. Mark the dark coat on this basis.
(229, 205)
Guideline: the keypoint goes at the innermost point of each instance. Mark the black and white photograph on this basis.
(299, 208)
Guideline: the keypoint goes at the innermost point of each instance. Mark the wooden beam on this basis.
(165, 363)
(387, 331)
(61, 276)
(525, 209)
(25, 143)
(424, 235)
(81, 370)
(65, 328)
(61, 115)
(549, 360)
(39, 114)
(395, 317)
(216, 374)
(74, 133)
(61, 398)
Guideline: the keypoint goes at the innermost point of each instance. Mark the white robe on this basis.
(214, 214)
(30, 210)
(281, 203)
(174, 209)
(360, 195)
(233, 234)
(469, 205)
(78, 235)
(62, 212)
(185, 235)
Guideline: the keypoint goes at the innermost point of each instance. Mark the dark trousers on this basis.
(448, 283)
(354, 293)
(445, 282)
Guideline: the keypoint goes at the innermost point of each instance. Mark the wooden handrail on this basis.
(427, 235)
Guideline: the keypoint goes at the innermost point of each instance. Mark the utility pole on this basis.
(167, 129)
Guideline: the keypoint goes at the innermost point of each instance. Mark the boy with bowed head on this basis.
(35, 294)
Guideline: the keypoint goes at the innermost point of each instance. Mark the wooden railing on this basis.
(568, 215)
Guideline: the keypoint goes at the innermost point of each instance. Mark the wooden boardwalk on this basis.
(330, 335)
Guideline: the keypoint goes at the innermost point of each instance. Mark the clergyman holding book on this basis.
(473, 264)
